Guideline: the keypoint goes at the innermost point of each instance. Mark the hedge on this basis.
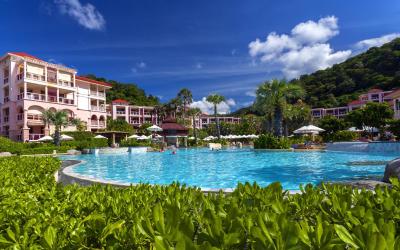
(37, 213)
(19, 148)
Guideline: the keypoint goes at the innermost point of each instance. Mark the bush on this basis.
(19, 148)
(268, 141)
(343, 135)
(84, 144)
(134, 143)
(80, 135)
(36, 213)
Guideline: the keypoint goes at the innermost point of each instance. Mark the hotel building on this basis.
(203, 121)
(391, 97)
(31, 85)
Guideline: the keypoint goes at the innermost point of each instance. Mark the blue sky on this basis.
(207, 46)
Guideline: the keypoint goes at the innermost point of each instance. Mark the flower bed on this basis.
(36, 212)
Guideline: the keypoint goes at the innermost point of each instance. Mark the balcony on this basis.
(35, 119)
(135, 113)
(120, 112)
(96, 93)
(20, 116)
(5, 118)
(65, 83)
(65, 101)
(35, 137)
(5, 81)
(20, 76)
(35, 77)
(34, 96)
(98, 108)
(97, 124)
(6, 99)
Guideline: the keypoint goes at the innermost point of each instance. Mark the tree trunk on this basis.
(278, 122)
(286, 128)
(57, 137)
(217, 122)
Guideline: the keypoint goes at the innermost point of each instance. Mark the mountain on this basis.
(335, 86)
(130, 92)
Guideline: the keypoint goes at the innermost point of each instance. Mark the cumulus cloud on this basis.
(85, 14)
(208, 108)
(251, 93)
(304, 50)
(139, 65)
(376, 42)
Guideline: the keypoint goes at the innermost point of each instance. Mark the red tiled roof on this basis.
(170, 124)
(395, 93)
(82, 78)
(23, 54)
(120, 101)
(375, 90)
(357, 102)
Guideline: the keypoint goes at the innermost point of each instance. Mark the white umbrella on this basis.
(154, 128)
(191, 138)
(370, 129)
(143, 137)
(66, 138)
(354, 129)
(310, 129)
(100, 137)
(46, 138)
(133, 137)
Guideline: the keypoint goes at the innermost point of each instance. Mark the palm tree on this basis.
(186, 97)
(59, 119)
(194, 112)
(272, 99)
(216, 99)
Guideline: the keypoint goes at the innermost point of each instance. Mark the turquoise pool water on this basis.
(224, 169)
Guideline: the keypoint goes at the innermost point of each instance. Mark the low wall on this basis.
(119, 150)
(371, 147)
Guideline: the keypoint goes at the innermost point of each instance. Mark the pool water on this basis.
(225, 168)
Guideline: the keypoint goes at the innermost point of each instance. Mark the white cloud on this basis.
(303, 51)
(251, 93)
(208, 108)
(85, 14)
(141, 65)
(376, 42)
(198, 66)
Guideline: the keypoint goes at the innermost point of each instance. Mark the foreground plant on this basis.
(37, 213)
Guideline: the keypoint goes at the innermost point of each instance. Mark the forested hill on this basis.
(130, 92)
(336, 86)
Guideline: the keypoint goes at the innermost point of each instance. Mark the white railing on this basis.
(135, 113)
(96, 123)
(102, 124)
(65, 83)
(35, 76)
(98, 108)
(35, 96)
(35, 117)
(65, 100)
(120, 112)
(34, 137)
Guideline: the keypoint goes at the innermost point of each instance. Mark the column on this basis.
(58, 95)
(25, 128)
(46, 93)
(73, 80)
(45, 73)
(98, 104)
(25, 69)
(25, 89)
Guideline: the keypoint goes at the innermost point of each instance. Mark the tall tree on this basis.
(216, 99)
(273, 97)
(194, 112)
(59, 119)
(186, 97)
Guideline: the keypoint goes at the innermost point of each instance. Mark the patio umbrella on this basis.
(354, 129)
(143, 137)
(133, 137)
(100, 137)
(310, 129)
(46, 138)
(154, 128)
(66, 138)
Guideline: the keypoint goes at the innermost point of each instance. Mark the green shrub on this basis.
(19, 148)
(36, 213)
(268, 141)
(343, 135)
(88, 143)
(135, 143)
(80, 135)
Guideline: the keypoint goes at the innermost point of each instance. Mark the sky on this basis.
(227, 47)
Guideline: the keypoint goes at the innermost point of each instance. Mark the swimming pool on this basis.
(225, 168)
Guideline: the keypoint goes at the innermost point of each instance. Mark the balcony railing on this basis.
(35, 97)
(120, 112)
(98, 108)
(96, 123)
(66, 100)
(34, 137)
(135, 113)
(35, 76)
(5, 81)
(65, 83)
(35, 117)
(6, 99)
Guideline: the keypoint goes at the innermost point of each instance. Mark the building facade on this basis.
(391, 97)
(133, 114)
(203, 121)
(31, 85)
